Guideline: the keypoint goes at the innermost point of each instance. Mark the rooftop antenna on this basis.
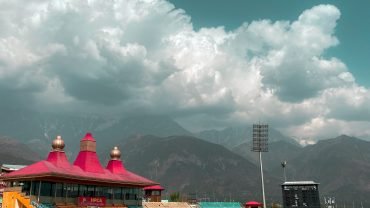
(283, 165)
(260, 144)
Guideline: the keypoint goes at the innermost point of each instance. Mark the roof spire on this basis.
(88, 143)
(115, 164)
(87, 159)
(115, 154)
(58, 144)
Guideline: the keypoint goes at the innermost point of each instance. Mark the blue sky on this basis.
(353, 29)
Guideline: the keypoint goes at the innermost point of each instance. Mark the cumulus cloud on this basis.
(321, 127)
(143, 56)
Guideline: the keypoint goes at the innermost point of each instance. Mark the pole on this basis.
(38, 194)
(283, 164)
(31, 189)
(263, 185)
(284, 175)
(66, 188)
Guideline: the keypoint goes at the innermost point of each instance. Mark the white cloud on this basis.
(323, 128)
(145, 57)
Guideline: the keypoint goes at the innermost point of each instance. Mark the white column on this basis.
(262, 183)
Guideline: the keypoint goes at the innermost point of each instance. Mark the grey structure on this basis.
(260, 144)
(301, 194)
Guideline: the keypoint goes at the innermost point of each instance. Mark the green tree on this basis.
(175, 197)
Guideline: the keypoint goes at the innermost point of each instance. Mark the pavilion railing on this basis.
(14, 188)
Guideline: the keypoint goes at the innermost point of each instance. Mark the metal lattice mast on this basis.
(260, 144)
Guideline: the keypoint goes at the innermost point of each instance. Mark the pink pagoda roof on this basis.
(253, 203)
(88, 137)
(88, 162)
(85, 168)
(155, 187)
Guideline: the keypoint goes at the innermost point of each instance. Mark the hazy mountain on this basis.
(138, 126)
(188, 164)
(277, 152)
(232, 137)
(14, 152)
(39, 129)
(341, 166)
(147, 125)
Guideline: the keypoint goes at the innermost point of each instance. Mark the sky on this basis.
(352, 30)
(302, 68)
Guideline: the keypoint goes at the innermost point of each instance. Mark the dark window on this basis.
(156, 193)
(131, 193)
(107, 192)
(72, 190)
(118, 193)
(59, 190)
(110, 193)
(126, 192)
(46, 189)
(99, 191)
(35, 187)
(26, 187)
(82, 190)
(91, 191)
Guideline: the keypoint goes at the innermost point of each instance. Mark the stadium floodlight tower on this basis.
(283, 165)
(260, 144)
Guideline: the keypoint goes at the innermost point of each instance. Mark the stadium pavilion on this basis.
(55, 182)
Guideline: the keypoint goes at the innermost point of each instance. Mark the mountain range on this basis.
(15, 152)
(341, 165)
(37, 130)
(278, 152)
(215, 164)
(190, 165)
(231, 137)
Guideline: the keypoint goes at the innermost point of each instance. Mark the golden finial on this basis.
(115, 154)
(58, 144)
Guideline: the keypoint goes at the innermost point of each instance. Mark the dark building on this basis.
(153, 193)
(301, 194)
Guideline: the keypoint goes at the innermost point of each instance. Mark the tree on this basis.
(175, 197)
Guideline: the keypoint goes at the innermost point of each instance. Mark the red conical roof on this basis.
(253, 203)
(58, 159)
(89, 162)
(87, 159)
(88, 137)
(116, 166)
(156, 188)
(86, 168)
